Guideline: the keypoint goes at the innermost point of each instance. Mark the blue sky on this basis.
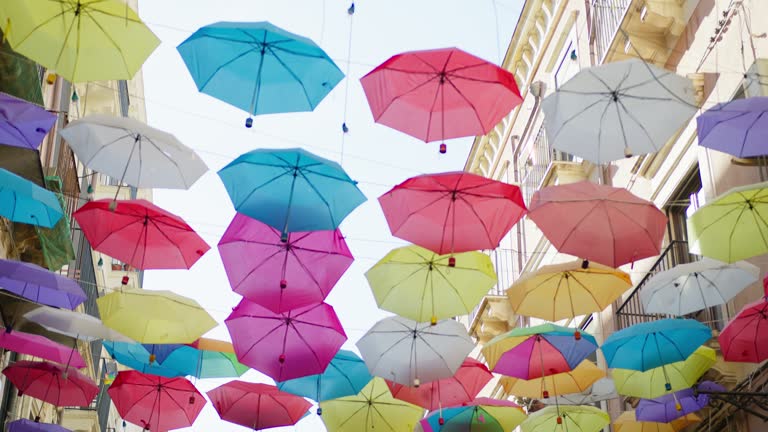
(374, 155)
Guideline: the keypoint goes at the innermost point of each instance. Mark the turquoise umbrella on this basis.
(25, 202)
(346, 375)
(259, 67)
(136, 356)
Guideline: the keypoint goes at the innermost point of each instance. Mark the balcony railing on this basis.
(539, 159)
(505, 264)
(606, 16)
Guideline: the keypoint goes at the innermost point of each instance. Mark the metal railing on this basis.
(505, 264)
(606, 16)
(540, 158)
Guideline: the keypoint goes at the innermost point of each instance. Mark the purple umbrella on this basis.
(669, 407)
(25, 425)
(23, 124)
(40, 285)
(739, 128)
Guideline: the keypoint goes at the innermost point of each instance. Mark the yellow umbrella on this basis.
(373, 409)
(627, 422)
(156, 317)
(421, 285)
(653, 382)
(566, 418)
(575, 381)
(82, 40)
(734, 226)
(567, 290)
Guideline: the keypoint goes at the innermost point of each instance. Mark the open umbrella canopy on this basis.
(602, 389)
(605, 224)
(575, 381)
(481, 414)
(736, 127)
(745, 337)
(23, 124)
(452, 212)
(259, 67)
(667, 408)
(257, 406)
(85, 40)
(38, 346)
(373, 408)
(289, 345)
(154, 316)
(566, 418)
(612, 111)
(291, 189)
(627, 422)
(346, 375)
(409, 353)
(421, 285)
(12, 310)
(55, 384)
(653, 344)
(137, 357)
(40, 285)
(25, 202)
(140, 234)
(132, 152)
(567, 290)
(282, 275)
(688, 288)
(24, 425)
(73, 324)
(534, 352)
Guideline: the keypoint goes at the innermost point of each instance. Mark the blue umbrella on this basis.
(136, 356)
(159, 352)
(25, 202)
(346, 375)
(259, 67)
(291, 189)
(654, 344)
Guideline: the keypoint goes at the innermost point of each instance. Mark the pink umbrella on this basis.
(38, 346)
(282, 275)
(288, 345)
(601, 223)
(745, 338)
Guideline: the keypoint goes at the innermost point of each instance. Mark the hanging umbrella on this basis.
(282, 275)
(291, 190)
(567, 290)
(607, 225)
(12, 310)
(154, 316)
(662, 380)
(25, 202)
(55, 384)
(482, 414)
(459, 389)
(346, 375)
(38, 346)
(24, 425)
(132, 152)
(140, 234)
(84, 40)
(602, 389)
(418, 284)
(155, 403)
(137, 357)
(736, 127)
(733, 226)
(257, 406)
(212, 345)
(40, 285)
(688, 288)
(259, 67)
(452, 212)
(616, 110)
(627, 422)
(409, 353)
(534, 352)
(667, 408)
(73, 324)
(293, 344)
(23, 124)
(577, 380)
(373, 408)
(745, 337)
(159, 352)
(440, 94)
(652, 344)
(566, 418)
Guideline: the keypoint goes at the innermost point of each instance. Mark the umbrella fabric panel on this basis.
(601, 390)
(137, 357)
(38, 346)
(205, 364)
(346, 375)
(24, 425)
(737, 127)
(627, 422)
(575, 381)
(73, 324)
(47, 382)
(581, 418)
(488, 415)
(40, 285)
(664, 409)
(745, 338)
(23, 124)
(257, 406)
(25, 202)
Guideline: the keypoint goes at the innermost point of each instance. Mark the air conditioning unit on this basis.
(757, 79)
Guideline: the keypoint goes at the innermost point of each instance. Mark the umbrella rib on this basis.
(392, 288)
(293, 75)
(253, 191)
(466, 99)
(267, 334)
(257, 267)
(383, 418)
(482, 222)
(391, 102)
(45, 23)
(637, 122)
(584, 287)
(575, 116)
(114, 43)
(273, 46)
(176, 247)
(363, 406)
(432, 110)
(121, 17)
(170, 159)
(756, 216)
(113, 142)
(456, 290)
(575, 225)
(225, 64)
(322, 198)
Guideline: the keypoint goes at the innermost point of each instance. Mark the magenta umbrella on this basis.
(282, 275)
(38, 346)
(287, 345)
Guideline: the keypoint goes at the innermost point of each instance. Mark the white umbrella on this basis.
(608, 112)
(688, 288)
(132, 152)
(411, 353)
(74, 324)
(602, 389)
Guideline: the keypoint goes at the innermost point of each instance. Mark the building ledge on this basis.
(80, 420)
(494, 317)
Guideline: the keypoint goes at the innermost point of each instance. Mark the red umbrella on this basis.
(282, 275)
(745, 338)
(440, 94)
(257, 406)
(52, 383)
(461, 388)
(452, 212)
(600, 223)
(288, 345)
(140, 234)
(155, 403)
(38, 346)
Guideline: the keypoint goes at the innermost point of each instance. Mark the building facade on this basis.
(723, 48)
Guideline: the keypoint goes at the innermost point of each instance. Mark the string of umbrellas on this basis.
(290, 204)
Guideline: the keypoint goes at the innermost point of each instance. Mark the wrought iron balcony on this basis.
(606, 17)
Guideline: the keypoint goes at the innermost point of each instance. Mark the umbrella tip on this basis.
(281, 359)
(284, 237)
(249, 122)
(283, 284)
(441, 421)
(416, 382)
(433, 320)
(319, 411)
(113, 205)
(585, 264)
(152, 358)
(344, 128)
(627, 152)
(37, 419)
(577, 335)
(443, 148)
(351, 9)
(668, 386)
(545, 394)
(452, 262)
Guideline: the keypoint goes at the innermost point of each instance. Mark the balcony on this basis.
(546, 166)
(494, 315)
